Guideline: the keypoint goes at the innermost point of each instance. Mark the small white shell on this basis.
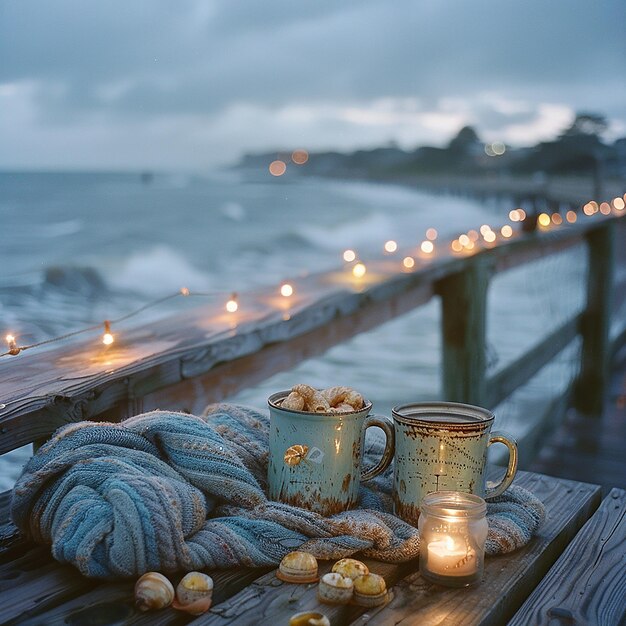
(309, 618)
(298, 567)
(153, 591)
(194, 593)
(370, 590)
(351, 568)
(335, 589)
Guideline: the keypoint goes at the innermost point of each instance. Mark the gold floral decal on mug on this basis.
(295, 454)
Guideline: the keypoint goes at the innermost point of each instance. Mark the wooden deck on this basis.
(591, 449)
(36, 590)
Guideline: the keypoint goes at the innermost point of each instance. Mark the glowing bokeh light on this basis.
(359, 270)
(391, 246)
(184, 291)
(300, 157)
(431, 234)
(571, 217)
(506, 231)
(286, 290)
(490, 236)
(464, 240)
(349, 256)
(557, 219)
(277, 168)
(619, 203)
(408, 262)
(232, 305)
(107, 339)
(456, 245)
(514, 215)
(522, 214)
(605, 208)
(427, 247)
(473, 235)
(485, 228)
(588, 209)
(544, 219)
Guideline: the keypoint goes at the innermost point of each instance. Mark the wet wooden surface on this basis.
(587, 585)
(36, 590)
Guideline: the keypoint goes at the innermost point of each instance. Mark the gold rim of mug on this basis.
(272, 401)
(456, 409)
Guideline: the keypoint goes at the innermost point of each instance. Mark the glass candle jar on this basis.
(453, 531)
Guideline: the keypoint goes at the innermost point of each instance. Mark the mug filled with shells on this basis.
(316, 447)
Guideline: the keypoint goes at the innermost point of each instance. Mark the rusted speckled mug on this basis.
(442, 446)
(315, 458)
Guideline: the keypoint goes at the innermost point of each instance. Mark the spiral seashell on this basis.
(309, 618)
(343, 395)
(295, 454)
(370, 590)
(298, 567)
(153, 591)
(294, 401)
(314, 401)
(335, 589)
(351, 568)
(194, 593)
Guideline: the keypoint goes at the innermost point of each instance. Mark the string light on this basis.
(605, 208)
(184, 291)
(427, 247)
(232, 305)
(473, 235)
(431, 234)
(391, 246)
(14, 349)
(557, 220)
(571, 216)
(286, 290)
(619, 204)
(359, 270)
(489, 236)
(484, 229)
(456, 245)
(514, 216)
(544, 220)
(107, 337)
(349, 256)
(506, 231)
(408, 262)
(464, 240)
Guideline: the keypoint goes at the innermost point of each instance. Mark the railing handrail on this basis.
(160, 365)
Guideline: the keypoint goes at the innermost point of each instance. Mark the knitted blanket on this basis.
(169, 491)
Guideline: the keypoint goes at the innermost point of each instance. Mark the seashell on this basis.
(309, 618)
(344, 395)
(370, 590)
(295, 454)
(194, 593)
(335, 589)
(293, 401)
(351, 568)
(298, 567)
(153, 591)
(314, 401)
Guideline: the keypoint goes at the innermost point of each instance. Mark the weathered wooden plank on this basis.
(596, 322)
(268, 601)
(587, 585)
(502, 384)
(508, 579)
(463, 332)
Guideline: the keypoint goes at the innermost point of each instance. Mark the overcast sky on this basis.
(191, 84)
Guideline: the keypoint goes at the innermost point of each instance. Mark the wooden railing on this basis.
(206, 355)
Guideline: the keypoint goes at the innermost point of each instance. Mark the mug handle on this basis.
(511, 444)
(386, 425)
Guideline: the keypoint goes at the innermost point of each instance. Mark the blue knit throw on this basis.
(169, 491)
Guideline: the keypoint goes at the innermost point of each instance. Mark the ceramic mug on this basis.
(315, 458)
(442, 446)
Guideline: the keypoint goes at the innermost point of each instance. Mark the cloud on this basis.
(195, 81)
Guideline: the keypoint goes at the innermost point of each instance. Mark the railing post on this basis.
(463, 324)
(596, 321)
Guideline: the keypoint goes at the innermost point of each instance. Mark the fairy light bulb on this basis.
(184, 291)
(431, 234)
(484, 229)
(605, 208)
(489, 236)
(464, 240)
(14, 349)
(349, 256)
(391, 246)
(359, 270)
(286, 290)
(557, 220)
(571, 217)
(427, 247)
(107, 337)
(456, 245)
(472, 234)
(232, 305)
(506, 231)
(514, 215)
(619, 204)
(408, 262)
(543, 219)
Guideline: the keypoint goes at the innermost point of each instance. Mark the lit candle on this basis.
(451, 557)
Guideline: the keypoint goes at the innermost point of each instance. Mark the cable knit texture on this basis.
(169, 491)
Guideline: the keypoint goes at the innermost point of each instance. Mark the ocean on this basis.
(78, 248)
